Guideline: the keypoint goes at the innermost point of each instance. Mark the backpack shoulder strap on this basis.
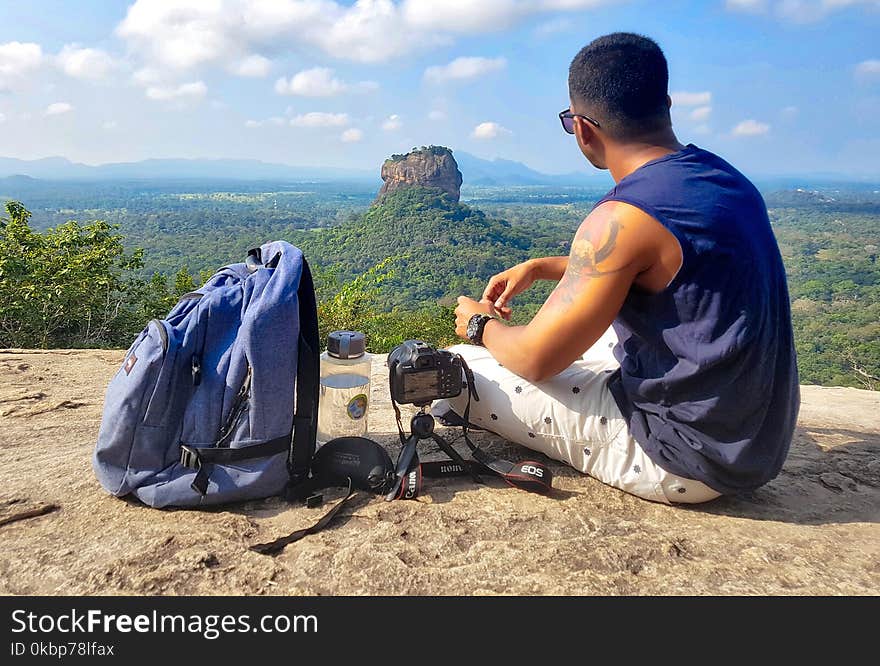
(305, 418)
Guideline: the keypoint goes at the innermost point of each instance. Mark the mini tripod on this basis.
(421, 427)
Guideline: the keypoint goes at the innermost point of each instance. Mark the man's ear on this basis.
(668, 102)
(583, 130)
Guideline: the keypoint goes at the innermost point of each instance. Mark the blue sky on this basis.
(775, 86)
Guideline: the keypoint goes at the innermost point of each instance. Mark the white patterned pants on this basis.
(571, 417)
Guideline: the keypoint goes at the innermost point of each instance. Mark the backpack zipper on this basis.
(238, 407)
(162, 334)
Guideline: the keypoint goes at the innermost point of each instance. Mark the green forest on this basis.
(392, 269)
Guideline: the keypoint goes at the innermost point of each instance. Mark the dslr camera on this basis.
(420, 374)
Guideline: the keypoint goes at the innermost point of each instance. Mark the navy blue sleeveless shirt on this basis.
(708, 378)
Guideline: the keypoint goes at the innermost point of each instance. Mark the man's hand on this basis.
(467, 308)
(507, 284)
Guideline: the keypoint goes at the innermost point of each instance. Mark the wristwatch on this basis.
(475, 327)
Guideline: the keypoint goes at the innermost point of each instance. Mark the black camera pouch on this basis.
(362, 460)
(353, 463)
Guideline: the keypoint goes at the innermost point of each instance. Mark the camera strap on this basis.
(278, 545)
(528, 475)
(335, 462)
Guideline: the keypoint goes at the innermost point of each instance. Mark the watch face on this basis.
(475, 328)
(472, 327)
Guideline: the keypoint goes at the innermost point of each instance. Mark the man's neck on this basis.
(623, 159)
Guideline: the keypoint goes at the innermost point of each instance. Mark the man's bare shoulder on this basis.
(613, 236)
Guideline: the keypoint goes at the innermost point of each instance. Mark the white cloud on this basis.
(470, 17)
(701, 113)
(392, 123)
(573, 5)
(85, 63)
(319, 82)
(109, 125)
(277, 121)
(464, 69)
(798, 11)
(368, 31)
(807, 11)
(702, 129)
(489, 130)
(182, 34)
(315, 82)
(464, 16)
(437, 115)
(352, 135)
(146, 76)
(2, 118)
(789, 112)
(58, 108)
(683, 98)
(252, 66)
(747, 6)
(17, 60)
(320, 119)
(868, 70)
(553, 27)
(194, 90)
(750, 128)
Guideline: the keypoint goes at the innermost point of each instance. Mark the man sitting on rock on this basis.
(693, 392)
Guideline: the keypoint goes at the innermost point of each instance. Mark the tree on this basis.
(68, 286)
(355, 306)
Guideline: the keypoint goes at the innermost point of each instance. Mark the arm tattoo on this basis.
(590, 247)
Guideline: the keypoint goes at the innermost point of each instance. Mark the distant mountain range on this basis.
(479, 171)
(60, 168)
(475, 170)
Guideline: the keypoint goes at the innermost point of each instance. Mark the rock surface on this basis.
(432, 166)
(813, 530)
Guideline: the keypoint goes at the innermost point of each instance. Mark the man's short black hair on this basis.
(622, 78)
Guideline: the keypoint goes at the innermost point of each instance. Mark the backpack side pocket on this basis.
(162, 395)
(126, 402)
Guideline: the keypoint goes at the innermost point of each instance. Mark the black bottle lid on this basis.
(346, 344)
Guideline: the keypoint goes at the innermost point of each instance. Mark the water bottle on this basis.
(345, 387)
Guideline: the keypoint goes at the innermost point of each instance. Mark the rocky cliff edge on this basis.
(813, 530)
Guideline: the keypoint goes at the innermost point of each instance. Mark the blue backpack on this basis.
(202, 410)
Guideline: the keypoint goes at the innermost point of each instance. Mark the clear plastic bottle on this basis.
(345, 387)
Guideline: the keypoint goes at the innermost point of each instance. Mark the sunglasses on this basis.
(567, 119)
